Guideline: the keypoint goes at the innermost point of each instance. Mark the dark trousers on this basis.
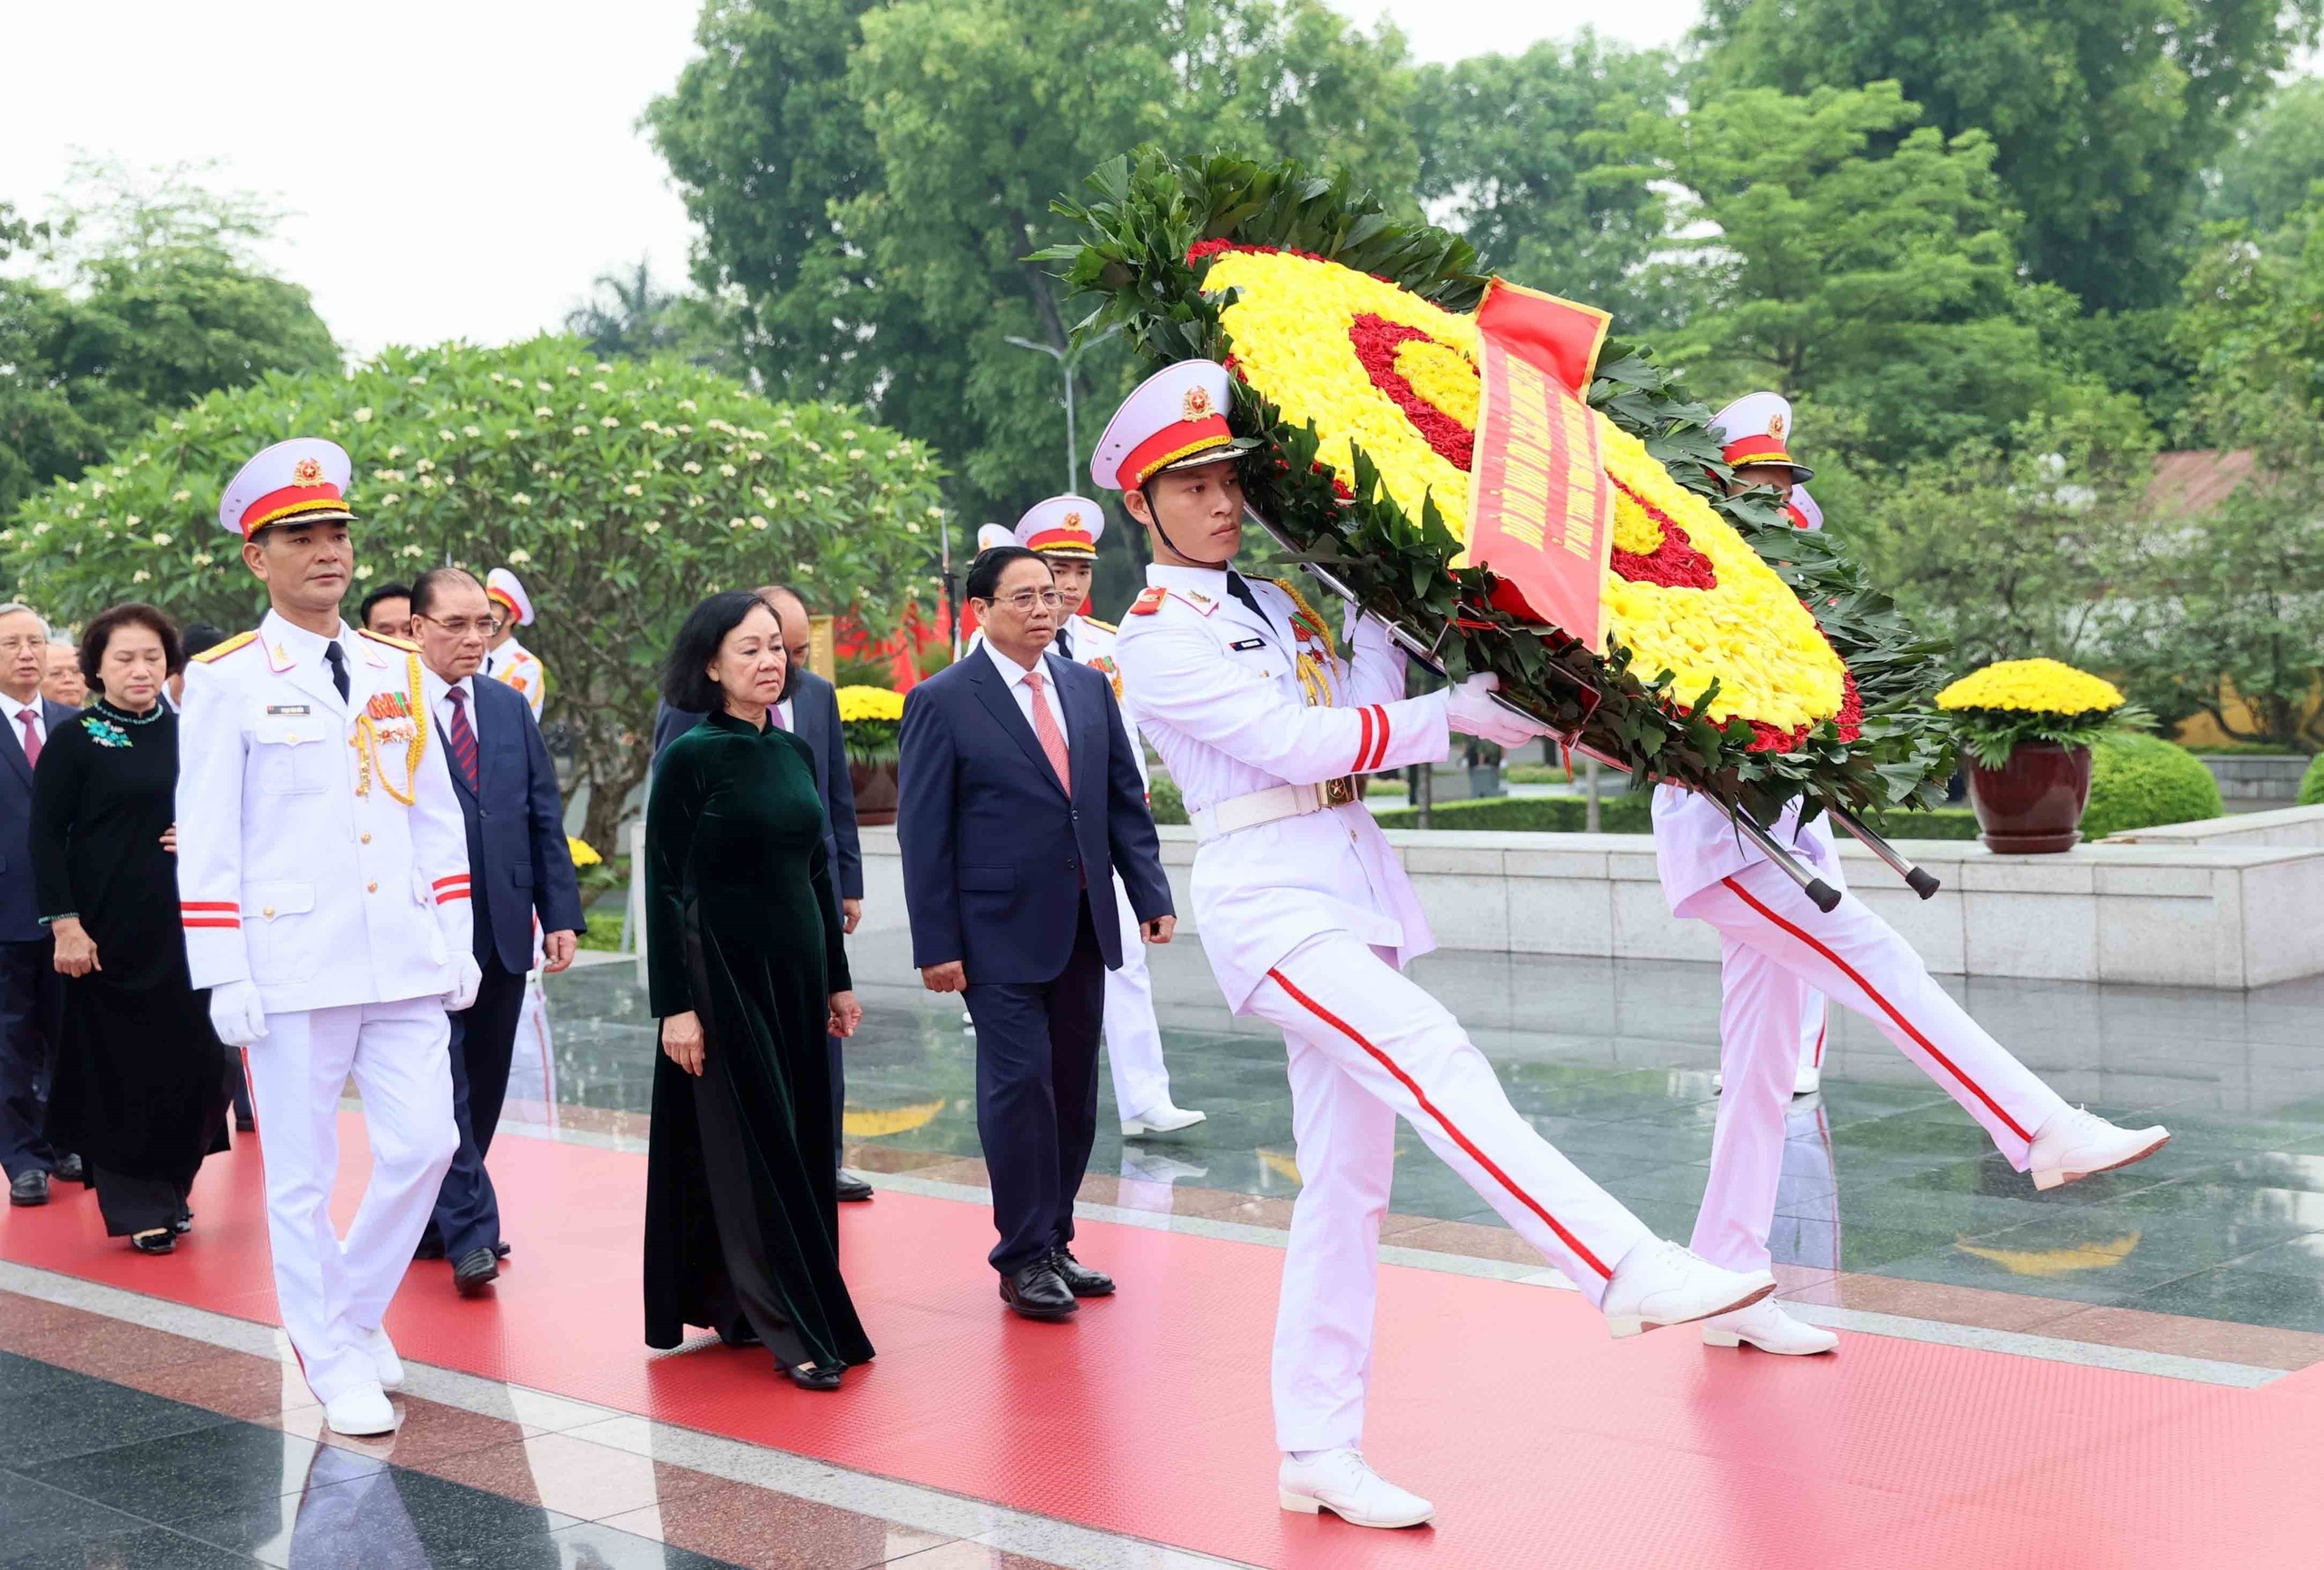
(32, 1009)
(483, 1040)
(134, 1205)
(1037, 1096)
(238, 1086)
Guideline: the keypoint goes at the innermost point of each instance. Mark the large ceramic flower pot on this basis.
(875, 793)
(2033, 805)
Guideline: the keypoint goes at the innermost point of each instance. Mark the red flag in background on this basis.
(1541, 509)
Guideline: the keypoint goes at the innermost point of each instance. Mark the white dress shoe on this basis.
(1342, 1481)
(1660, 1283)
(1161, 1119)
(2077, 1144)
(360, 1411)
(384, 1361)
(1765, 1326)
(1807, 1081)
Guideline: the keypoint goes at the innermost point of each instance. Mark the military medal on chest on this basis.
(392, 722)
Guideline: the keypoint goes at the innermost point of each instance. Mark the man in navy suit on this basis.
(810, 707)
(32, 994)
(518, 865)
(1019, 797)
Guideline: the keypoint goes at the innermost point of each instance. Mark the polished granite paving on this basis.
(1615, 1063)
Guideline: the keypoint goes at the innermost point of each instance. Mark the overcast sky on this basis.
(459, 169)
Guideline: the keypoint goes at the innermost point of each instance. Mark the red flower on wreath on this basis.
(1376, 340)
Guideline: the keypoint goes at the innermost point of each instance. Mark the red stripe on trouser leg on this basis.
(1887, 1007)
(1451, 1131)
(1822, 1031)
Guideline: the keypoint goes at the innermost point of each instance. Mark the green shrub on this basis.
(2311, 784)
(2138, 782)
(1619, 815)
(1936, 823)
(1163, 798)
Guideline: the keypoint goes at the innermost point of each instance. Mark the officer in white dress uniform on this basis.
(508, 660)
(1781, 957)
(323, 874)
(1308, 922)
(1064, 531)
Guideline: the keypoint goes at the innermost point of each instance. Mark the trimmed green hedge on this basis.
(2311, 784)
(2139, 781)
(1629, 814)
(1163, 797)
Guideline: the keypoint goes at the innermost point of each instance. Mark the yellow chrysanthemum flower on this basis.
(2031, 686)
(869, 703)
(582, 853)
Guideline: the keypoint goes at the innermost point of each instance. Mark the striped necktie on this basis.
(462, 736)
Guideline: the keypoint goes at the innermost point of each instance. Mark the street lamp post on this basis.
(1067, 358)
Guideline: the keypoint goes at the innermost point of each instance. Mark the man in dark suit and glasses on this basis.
(1019, 797)
(518, 865)
(810, 708)
(32, 994)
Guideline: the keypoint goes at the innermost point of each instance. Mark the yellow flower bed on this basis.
(1290, 329)
(582, 854)
(2031, 686)
(869, 703)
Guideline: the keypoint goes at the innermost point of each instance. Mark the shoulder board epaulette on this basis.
(1149, 602)
(1101, 626)
(404, 644)
(221, 651)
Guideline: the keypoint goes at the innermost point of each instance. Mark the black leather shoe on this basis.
(1036, 1293)
(817, 1378)
(159, 1240)
(29, 1188)
(244, 1123)
(500, 1250)
(69, 1170)
(474, 1273)
(1079, 1278)
(184, 1223)
(740, 1334)
(853, 1190)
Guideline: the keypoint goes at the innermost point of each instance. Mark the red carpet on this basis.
(1542, 1442)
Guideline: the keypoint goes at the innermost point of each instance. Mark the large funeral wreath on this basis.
(1744, 658)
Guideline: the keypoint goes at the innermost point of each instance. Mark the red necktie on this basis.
(1053, 739)
(462, 736)
(25, 718)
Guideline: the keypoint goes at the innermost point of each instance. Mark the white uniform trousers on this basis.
(1815, 1029)
(1367, 1046)
(1133, 1036)
(1779, 951)
(1807, 1228)
(332, 1293)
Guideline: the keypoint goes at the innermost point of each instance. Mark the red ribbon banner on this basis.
(1540, 507)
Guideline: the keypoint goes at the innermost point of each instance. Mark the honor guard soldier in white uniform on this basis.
(324, 875)
(1064, 531)
(508, 660)
(1308, 922)
(1781, 955)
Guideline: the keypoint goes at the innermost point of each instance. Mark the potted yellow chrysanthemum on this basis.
(872, 717)
(2027, 726)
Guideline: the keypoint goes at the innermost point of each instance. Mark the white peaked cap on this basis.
(504, 585)
(1757, 427)
(303, 480)
(993, 535)
(1805, 514)
(1177, 418)
(1062, 526)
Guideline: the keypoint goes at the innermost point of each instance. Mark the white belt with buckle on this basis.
(1272, 804)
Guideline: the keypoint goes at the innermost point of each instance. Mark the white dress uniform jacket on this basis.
(521, 668)
(1208, 677)
(291, 875)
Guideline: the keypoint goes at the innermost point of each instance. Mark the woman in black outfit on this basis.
(748, 978)
(137, 1089)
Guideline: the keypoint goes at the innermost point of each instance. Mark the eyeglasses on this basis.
(461, 626)
(1024, 599)
(14, 645)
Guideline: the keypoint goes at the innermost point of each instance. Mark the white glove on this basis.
(467, 977)
(236, 1014)
(1470, 707)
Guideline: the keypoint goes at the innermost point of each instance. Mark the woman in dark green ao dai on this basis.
(748, 977)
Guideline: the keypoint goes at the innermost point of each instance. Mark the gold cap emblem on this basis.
(307, 472)
(1073, 520)
(1775, 426)
(1196, 404)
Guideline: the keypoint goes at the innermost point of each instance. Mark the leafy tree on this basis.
(1846, 254)
(630, 316)
(2269, 171)
(1508, 161)
(623, 490)
(2101, 112)
(159, 302)
(869, 180)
